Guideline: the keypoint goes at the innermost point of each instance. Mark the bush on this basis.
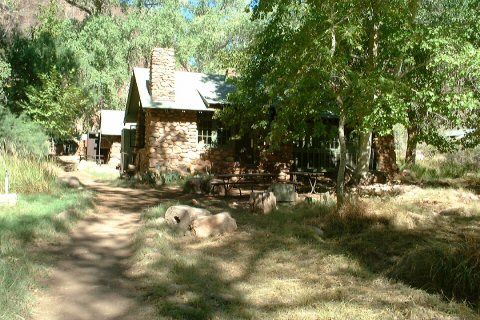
(453, 165)
(21, 137)
(197, 184)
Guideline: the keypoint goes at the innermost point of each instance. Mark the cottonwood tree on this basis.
(355, 58)
(438, 67)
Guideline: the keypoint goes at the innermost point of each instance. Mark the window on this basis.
(137, 136)
(313, 153)
(205, 128)
(210, 131)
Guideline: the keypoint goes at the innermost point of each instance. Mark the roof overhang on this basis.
(193, 92)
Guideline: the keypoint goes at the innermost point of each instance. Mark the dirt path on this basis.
(90, 277)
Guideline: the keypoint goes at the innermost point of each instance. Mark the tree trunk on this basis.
(363, 161)
(343, 156)
(411, 152)
(387, 159)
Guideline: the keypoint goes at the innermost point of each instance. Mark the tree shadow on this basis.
(188, 278)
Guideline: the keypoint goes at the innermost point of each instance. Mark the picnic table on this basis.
(250, 180)
(311, 176)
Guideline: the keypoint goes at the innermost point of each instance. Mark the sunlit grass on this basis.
(279, 267)
(27, 174)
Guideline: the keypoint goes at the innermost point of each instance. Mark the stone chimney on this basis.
(162, 74)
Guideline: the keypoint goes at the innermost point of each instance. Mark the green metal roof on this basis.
(193, 91)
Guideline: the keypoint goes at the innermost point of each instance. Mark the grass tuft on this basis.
(354, 217)
(27, 175)
(452, 269)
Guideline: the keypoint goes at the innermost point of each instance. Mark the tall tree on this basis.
(56, 105)
(356, 58)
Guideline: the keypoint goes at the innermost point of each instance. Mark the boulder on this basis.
(452, 212)
(183, 215)
(284, 192)
(263, 201)
(207, 226)
(71, 182)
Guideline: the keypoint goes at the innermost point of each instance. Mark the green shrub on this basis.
(198, 183)
(170, 177)
(453, 165)
(20, 136)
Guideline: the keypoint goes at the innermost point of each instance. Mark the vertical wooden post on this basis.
(7, 182)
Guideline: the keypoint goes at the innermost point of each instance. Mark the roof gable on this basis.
(193, 91)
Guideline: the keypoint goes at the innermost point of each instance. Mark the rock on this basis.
(183, 215)
(452, 212)
(207, 226)
(284, 192)
(300, 198)
(263, 201)
(233, 205)
(71, 182)
(195, 202)
(319, 231)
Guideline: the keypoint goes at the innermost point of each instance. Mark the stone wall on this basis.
(162, 74)
(170, 140)
(171, 144)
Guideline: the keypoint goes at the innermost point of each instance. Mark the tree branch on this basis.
(79, 6)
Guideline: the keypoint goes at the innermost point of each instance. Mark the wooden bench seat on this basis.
(245, 184)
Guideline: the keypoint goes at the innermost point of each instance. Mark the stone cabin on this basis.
(175, 129)
(173, 113)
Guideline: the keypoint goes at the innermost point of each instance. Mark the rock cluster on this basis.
(200, 222)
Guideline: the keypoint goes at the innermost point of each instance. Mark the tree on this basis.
(357, 58)
(4, 75)
(94, 7)
(56, 105)
(299, 67)
(439, 71)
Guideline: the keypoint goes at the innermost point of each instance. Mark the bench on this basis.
(245, 184)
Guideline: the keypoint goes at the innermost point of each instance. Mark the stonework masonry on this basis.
(171, 144)
(162, 74)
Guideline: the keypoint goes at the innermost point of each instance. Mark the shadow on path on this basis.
(90, 279)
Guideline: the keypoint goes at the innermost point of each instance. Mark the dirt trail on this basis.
(90, 279)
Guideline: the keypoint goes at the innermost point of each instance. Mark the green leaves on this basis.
(56, 105)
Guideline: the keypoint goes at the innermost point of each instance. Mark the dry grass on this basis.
(278, 267)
